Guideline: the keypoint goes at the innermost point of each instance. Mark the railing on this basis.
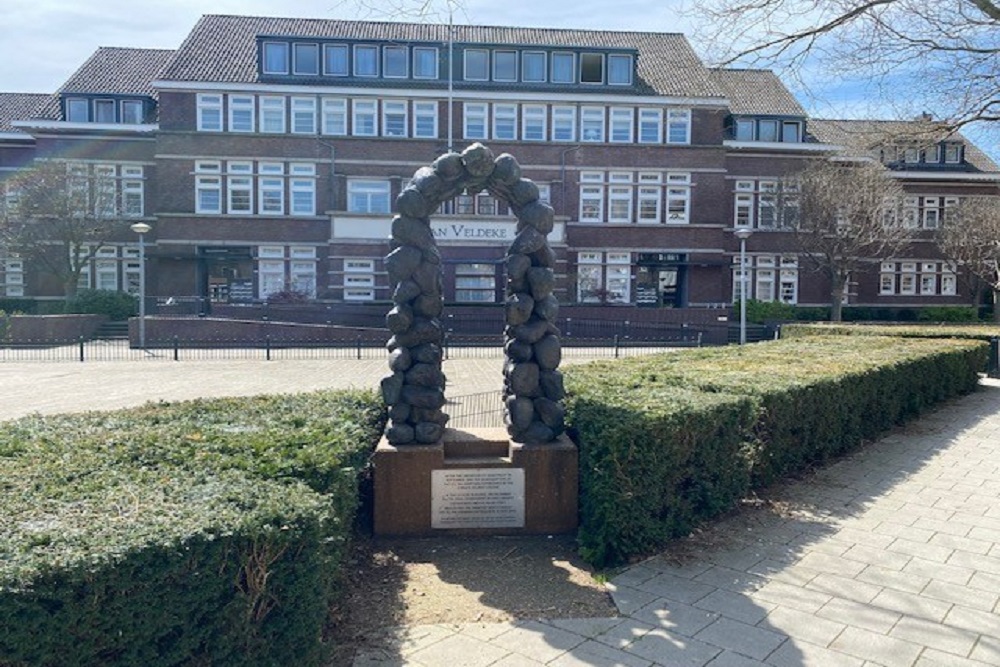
(482, 410)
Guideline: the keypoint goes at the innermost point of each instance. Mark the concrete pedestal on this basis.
(405, 481)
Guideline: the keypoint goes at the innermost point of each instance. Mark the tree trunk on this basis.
(69, 291)
(837, 303)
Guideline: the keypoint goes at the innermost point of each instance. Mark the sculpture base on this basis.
(476, 482)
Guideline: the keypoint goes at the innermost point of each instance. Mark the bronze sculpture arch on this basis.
(533, 385)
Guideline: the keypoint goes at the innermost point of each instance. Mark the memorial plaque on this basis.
(477, 498)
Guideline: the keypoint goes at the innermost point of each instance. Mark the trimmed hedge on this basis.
(809, 399)
(970, 331)
(205, 532)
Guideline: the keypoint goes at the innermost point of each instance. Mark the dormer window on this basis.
(275, 58)
(425, 62)
(619, 70)
(563, 67)
(533, 67)
(477, 65)
(744, 130)
(306, 59)
(335, 60)
(952, 153)
(791, 132)
(505, 66)
(591, 68)
(767, 130)
(771, 130)
(77, 110)
(365, 60)
(132, 112)
(394, 62)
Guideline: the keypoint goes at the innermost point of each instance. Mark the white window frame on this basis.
(650, 119)
(367, 110)
(372, 190)
(239, 179)
(496, 65)
(209, 112)
(334, 110)
(208, 178)
(296, 46)
(138, 112)
(478, 111)
(583, 62)
(417, 50)
(242, 113)
(422, 113)
(271, 188)
(346, 71)
(629, 66)
(271, 118)
(505, 122)
(397, 112)
(545, 66)
(284, 46)
(621, 123)
(559, 56)
(592, 118)
(303, 115)
(680, 120)
(563, 120)
(302, 188)
(466, 75)
(365, 48)
(387, 51)
(533, 122)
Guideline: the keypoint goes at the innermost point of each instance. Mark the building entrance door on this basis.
(660, 285)
(226, 274)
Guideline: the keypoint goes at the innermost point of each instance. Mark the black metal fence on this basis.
(482, 410)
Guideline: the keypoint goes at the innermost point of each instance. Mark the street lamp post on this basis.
(141, 228)
(743, 233)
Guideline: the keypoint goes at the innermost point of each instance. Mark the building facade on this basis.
(266, 153)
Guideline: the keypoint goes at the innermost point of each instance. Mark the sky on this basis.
(42, 42)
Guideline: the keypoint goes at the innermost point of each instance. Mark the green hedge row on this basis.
(973, 331)
(670, 439)
(197, 533)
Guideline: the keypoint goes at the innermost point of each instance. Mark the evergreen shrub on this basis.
(117, 306)
(200, 533)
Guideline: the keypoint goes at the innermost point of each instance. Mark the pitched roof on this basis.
(19, 106)
(863, 138)
(757, 91)
(223, 49)
(112, 70)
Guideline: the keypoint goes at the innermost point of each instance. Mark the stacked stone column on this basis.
(533, 386)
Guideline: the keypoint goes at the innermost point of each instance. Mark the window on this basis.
(744, 130)
(589, 276)
(270, 276)
(932, 212)
(620, 203)
(425, 62)
(649, 195)
(335, 60)
(788, 280)
(621, 124)
(911, 212)
(475, 282)
(767, 130)
(791, 132)
(618, 277)
(209, 113)
(591, 196)
(505, 65)
(395, 62)
(133, 194)
(505, 121)
(239, 186)
(303, 277)
(477, 65)
(365, 120)
(563, 123)
(365, 60)
(132, 113)
(474, 120)
(367, 196)
(767, 203)
(591, 68)
(334, 116)
(620, 70)
(77, 110)
(107, 274)
(533, 122)
(394, 120)
(486, 204)
(304, 115)
(303, 188)
(208, 187)
(544, 193)
(533, 67)
(241, 113)
(678, 198)
(952, 153)
(425, 117)
(563, 67)
(592, 124)
(911, 155)
(271, 189)
(650, 126)
(104, 189)
(272, 115)
(104, 111)
(679, 126)
(275, 58)
(305, 59)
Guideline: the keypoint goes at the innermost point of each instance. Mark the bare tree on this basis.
(942, 53)
(59, 215)
(846, 217)
(970, 236)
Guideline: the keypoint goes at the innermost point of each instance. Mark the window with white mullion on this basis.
(241, 113)
(622, 119)
(563, 123)
(364, 119)
(591, 196)
(678, 126)
(678, 204)
(133, 192)
(650, 197)
(209, 112)
(650, 126)
(367, 196)
(303, 115)
(505, 122)
(425, 120)
(272, 115)
(334, 116)
(271, 189)
(474, 121)
(533, 122)
(105, 189)
(239, 188)
(394, 118)
(208, 187)
(592, 124)
(620, 203)
(302, 186)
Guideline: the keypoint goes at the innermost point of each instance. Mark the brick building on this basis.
(266, 153)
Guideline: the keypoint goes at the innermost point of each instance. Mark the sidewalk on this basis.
(889, 557)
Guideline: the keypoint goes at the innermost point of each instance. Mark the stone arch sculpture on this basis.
(533, 385)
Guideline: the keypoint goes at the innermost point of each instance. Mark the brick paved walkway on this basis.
(890, 557)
